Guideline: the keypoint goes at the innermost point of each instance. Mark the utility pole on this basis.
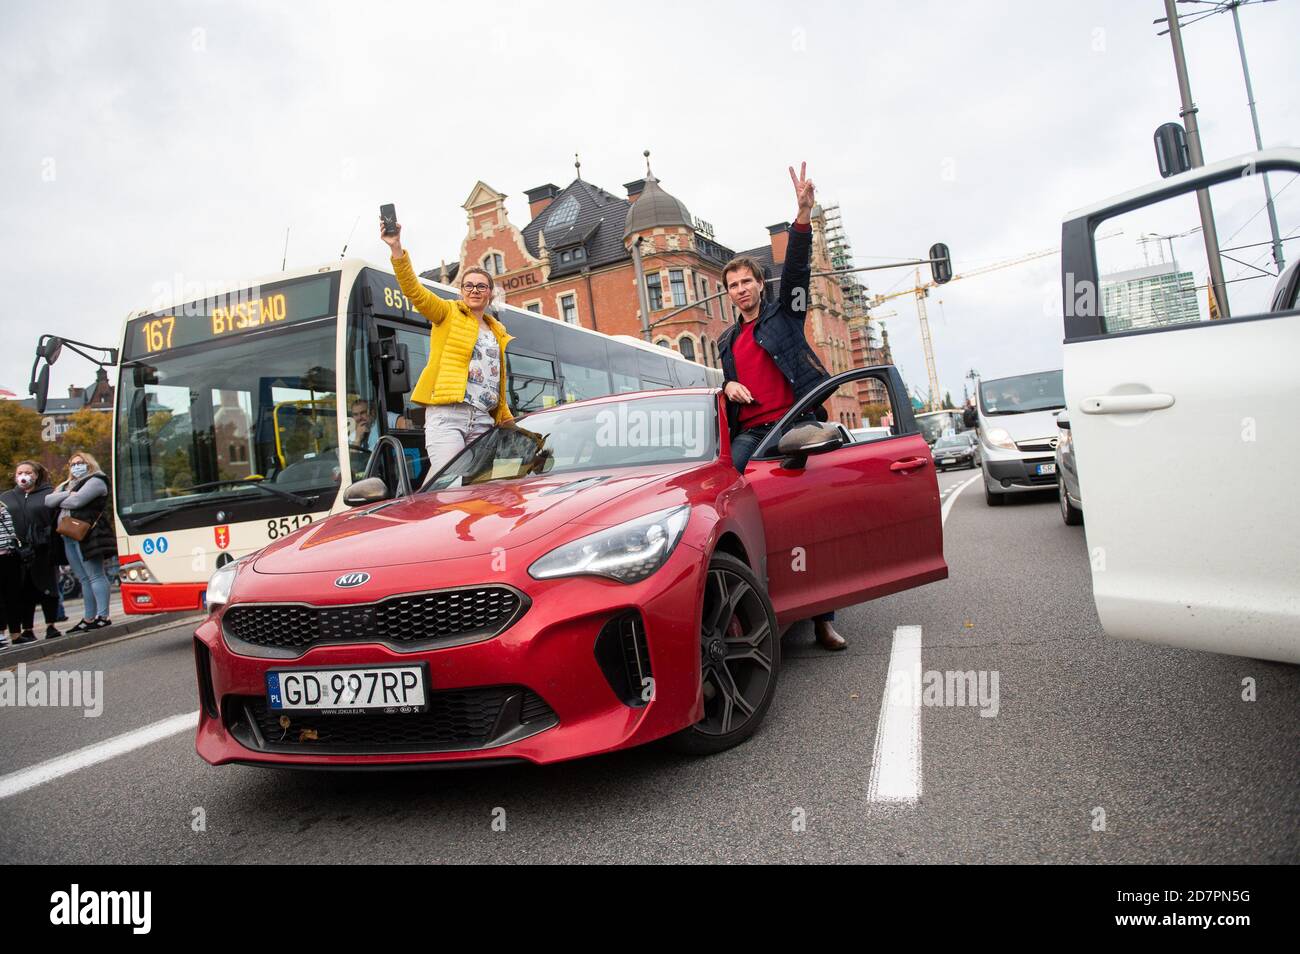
(1259, 144)
(1188, 115)
(642, 295)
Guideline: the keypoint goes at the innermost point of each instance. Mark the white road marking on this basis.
(16, 783)
(947, 504)
(896, 762)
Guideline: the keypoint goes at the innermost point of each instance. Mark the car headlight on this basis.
(629, 552)
(220, 584)
(999, 437)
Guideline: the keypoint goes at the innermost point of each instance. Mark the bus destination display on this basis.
(231, 315)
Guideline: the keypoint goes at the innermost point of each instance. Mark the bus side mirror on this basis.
(940, 264)
(40, 388)
(368, 491)
(397, 371)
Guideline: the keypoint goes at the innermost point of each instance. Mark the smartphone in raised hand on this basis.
(389, 214)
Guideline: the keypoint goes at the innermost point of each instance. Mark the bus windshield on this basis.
(239, 422)
(934, 425)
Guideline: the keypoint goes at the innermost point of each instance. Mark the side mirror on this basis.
(798, 442)
(40, 388)
(367, 491)
(397, 371)
(1063, 420)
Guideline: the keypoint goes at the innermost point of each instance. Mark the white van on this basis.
(1018, 433)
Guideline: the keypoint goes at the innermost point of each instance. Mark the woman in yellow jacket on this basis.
(463, 387)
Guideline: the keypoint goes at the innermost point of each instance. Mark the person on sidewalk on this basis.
(463, 385)
(767, 364)
(10, 571)
(34, 524)
(84, 496)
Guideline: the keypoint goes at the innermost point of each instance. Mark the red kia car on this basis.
(592, 578)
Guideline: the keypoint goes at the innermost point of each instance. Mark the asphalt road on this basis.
(1158, 739)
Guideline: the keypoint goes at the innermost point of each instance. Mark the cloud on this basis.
(184, 152)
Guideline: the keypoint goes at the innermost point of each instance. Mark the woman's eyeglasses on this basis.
(474, 287)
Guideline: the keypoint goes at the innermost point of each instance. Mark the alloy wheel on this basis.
(736, 645)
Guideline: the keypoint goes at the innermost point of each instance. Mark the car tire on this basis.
(740, 656)
(1071, 514)
(992, 499)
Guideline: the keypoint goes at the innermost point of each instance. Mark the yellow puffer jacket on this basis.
(451, 344)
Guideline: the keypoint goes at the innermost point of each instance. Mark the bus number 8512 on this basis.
(286, 525)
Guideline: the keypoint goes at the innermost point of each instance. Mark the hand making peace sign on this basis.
(803, 191)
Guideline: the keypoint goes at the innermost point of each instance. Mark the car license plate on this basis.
(1044, 469)
(349, 690)
(948, 460)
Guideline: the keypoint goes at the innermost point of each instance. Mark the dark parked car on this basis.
(957, 450)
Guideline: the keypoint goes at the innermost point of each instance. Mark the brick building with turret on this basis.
(576, 260)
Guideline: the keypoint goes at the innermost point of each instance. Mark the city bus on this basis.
(935, 424)
(241, 417)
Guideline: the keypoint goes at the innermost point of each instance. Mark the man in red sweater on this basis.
(766, 360)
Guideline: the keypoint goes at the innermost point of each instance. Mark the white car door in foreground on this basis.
(1185, 410)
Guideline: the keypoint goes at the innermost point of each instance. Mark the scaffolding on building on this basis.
(840, 249)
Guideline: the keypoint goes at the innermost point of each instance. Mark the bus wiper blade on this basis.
(244, 482)
(154, 516)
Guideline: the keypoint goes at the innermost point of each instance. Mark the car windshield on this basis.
(1022, 394)
(659, 429)
(247, 420)
(955, 442)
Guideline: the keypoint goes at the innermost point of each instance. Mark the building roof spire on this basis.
(577, 164)
(649, 176)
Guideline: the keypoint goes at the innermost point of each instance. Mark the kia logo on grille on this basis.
(352, 579)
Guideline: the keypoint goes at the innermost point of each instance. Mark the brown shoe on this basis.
(827, 638)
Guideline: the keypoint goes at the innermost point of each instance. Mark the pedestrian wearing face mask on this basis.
(36, 579)
(82, 505)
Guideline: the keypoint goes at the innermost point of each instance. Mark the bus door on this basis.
(399, 355)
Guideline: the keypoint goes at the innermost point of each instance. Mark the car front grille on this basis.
(1039, 445)
(456, 720)
(416, 621)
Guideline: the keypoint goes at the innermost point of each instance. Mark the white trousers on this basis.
(449, 427)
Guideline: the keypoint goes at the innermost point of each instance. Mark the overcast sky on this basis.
(151, 143)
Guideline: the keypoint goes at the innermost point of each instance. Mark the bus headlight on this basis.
(221, 583)
(628, 552)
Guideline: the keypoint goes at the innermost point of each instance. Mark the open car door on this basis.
(851, 522)
(1182, 409)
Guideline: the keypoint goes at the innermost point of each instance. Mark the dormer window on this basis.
(566, 213)
(494, 264)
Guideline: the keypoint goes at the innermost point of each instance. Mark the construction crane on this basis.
(922, 290)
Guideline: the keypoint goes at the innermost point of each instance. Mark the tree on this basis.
(20, 435)
(871, 414)
(947, 401)
(89, 431)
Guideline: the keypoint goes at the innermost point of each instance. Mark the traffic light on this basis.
(940, 263)
(1171, 150)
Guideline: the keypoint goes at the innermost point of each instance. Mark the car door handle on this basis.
(1126, 403)
(908, 463)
